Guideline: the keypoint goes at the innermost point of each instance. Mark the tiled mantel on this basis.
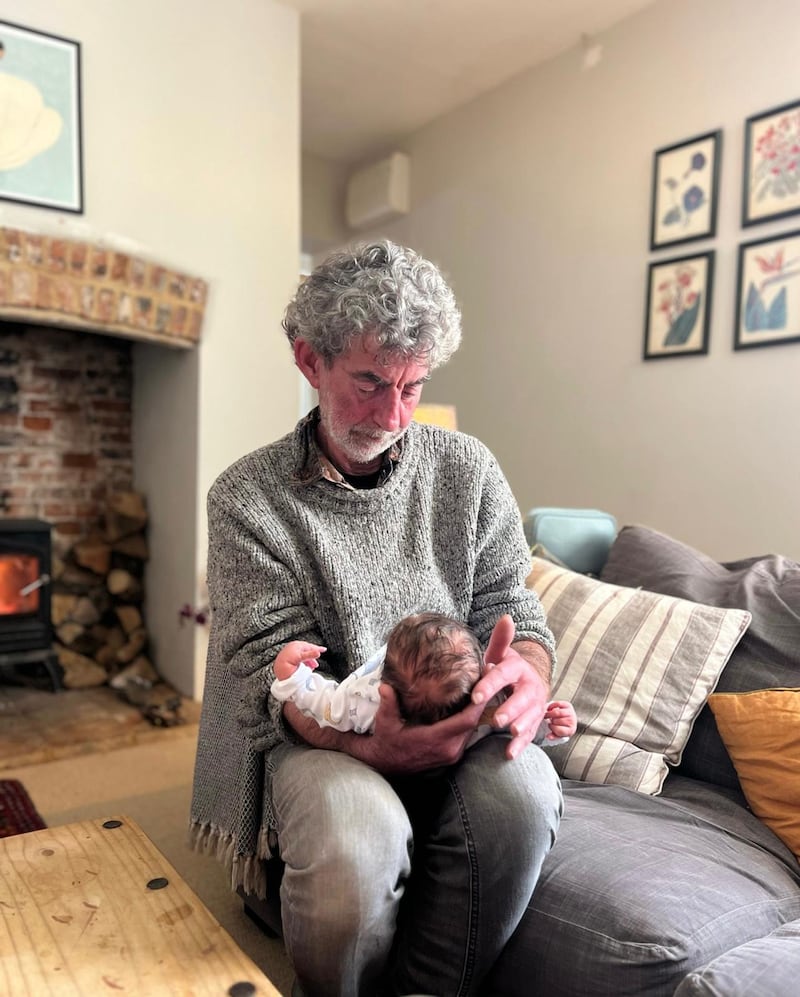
(78, 284)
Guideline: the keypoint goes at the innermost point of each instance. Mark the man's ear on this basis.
(308, 361)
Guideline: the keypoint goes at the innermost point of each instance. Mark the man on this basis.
(408, 860)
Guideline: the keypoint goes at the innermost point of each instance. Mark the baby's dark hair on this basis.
(432, 663)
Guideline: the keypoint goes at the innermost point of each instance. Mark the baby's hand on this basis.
(294, 654)
(562, 719)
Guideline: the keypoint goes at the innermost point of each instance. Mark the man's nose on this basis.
(388, 411)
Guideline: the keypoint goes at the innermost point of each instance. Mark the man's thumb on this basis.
(500, 640)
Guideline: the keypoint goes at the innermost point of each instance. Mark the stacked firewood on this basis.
(97, 611)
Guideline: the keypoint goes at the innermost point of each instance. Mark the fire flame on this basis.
(16, 572)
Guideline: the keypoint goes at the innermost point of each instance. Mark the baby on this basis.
(430, 660)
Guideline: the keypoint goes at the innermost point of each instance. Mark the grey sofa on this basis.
(686, 892)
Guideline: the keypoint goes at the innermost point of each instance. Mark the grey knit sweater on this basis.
(293, 556)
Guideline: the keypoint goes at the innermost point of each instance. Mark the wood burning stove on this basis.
(25, 627)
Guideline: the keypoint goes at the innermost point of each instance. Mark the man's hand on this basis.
(394, 747)
(520, 667)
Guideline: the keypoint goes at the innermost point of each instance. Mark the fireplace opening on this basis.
(25, 626)
(66, 459)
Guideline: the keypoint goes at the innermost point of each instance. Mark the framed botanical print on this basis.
(771, 182)
(678, 309)
(768, 292)
(685, 191)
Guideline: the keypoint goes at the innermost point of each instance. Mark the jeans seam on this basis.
(474, 894)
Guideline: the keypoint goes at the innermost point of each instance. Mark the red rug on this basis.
(18, 815)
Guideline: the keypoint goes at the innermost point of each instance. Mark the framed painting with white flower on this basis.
(685, 191)
(678, 310)
(40, 109)
(771, 184)
(768, 292)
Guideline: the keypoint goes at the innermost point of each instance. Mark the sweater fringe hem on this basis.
(247, 871)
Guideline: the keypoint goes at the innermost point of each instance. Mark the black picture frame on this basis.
(678, 309)
(42, 153)
(768, 292)
(771, 167)
(685, 191)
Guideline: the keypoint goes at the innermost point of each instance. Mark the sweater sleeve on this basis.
(502, 565)
(257, 605)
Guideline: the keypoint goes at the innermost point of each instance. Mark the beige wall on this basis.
(191, 143)
(535, 199)
(323, 185)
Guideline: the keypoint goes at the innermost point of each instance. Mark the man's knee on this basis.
(340, 826)
(522, 795)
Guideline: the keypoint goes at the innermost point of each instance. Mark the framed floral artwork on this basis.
(40, 111)
(771, 184)
(685, 191)
(678, 309)
(768, 292)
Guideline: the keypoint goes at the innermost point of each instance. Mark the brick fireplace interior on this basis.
(65, 426)
(66, 454)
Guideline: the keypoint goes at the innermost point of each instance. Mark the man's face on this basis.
(365, 404)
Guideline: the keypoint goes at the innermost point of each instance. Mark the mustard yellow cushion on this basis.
(761, 731)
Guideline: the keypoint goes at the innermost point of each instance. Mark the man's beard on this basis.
(361, 445)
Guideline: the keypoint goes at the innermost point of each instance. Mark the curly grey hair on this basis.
(382, 289)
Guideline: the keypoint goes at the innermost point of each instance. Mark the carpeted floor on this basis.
(18, 815)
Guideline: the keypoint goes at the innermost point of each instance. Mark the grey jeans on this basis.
(409, 885)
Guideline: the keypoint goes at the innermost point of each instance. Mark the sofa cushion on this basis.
(761, 731)
(640, 890)
(768, 656)
(769, 966)
(638, 668)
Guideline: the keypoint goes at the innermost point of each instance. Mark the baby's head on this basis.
(432, 663)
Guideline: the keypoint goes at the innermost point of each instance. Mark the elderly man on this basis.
(408, 860)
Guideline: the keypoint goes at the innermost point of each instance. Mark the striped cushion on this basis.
(638, 668)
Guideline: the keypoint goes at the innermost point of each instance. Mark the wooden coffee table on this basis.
(94, 908)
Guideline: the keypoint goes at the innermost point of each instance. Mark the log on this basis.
(129, 617)
(122, 584)
(75, 579)
(136, 642)
(109, 640)
(61, 607)
(126, 513)
(133, 565)
(133, 546)
(68, 633)
(93, 553)
(86, 611)
(80, 672)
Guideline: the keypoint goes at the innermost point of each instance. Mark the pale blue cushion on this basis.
(578, 538)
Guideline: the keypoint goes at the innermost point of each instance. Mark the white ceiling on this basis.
(375, 70)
